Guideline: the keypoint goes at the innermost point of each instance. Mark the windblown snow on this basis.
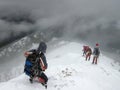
(68, 70)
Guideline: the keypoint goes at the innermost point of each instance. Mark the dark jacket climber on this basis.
(36, 64)
(96, 53)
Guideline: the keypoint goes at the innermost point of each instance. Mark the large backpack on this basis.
(35, 64)
(30, 64)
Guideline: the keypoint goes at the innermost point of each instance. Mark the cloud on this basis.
(90, 20)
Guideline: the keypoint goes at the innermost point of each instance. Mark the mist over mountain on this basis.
(88, 20)
(15, 23)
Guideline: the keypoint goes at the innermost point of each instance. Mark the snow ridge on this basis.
(68, 70)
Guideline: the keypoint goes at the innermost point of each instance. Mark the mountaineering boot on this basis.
(31, 80)
(44, 84)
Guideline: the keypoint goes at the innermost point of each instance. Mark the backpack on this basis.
(35, 63)
(29, 66)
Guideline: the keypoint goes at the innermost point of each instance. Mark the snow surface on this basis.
(68, 70)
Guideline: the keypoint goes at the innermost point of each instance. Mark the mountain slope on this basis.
(68, 70)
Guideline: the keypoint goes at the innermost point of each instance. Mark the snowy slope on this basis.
(68, 70)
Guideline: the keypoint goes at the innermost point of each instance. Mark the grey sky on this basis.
(104, 7)
(78, 16)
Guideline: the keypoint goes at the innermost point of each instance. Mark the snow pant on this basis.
(88, 55)
(42, 78)
(95, 59)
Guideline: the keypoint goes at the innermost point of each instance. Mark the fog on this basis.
(89, 20)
